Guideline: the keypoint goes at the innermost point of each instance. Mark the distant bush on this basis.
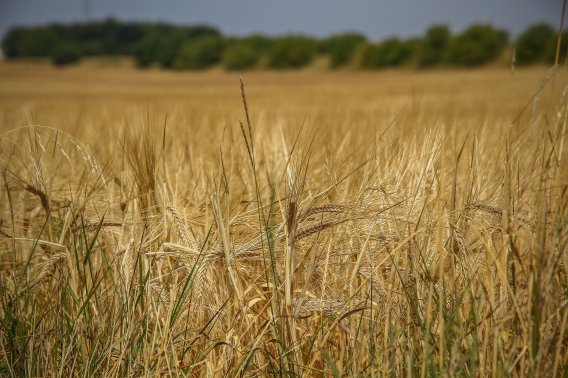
(477, 45)
(292, 52)
(245, 53)
(240, 56)
(146, 51)
(390, 53)
(199, 53)
(259, 43)
(162, 43)
(170, 45)
(341, 48)
(370, 55)
(12, 42)
(532, 45)
(38, 42)
(66, 54)
(433, 48)
(551, 49)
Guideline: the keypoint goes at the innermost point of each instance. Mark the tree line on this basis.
(200, 46)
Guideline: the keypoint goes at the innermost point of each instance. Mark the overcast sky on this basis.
(375, 18)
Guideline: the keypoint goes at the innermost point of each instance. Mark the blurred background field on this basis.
(85, 95)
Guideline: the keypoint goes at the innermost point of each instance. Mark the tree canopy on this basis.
(200, 46)
(477, 45)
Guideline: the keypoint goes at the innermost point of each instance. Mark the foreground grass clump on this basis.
(433, 243)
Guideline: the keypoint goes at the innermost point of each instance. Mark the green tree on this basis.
(479, 44)
(292, 52)
(534, 44)
(370, 55)
(551, 49)
(37, 42)
(11, 44)
(146, 52)
(391, 52)
(199, 53)
(341, 48)
(433, 49)
(66, 54)
(259, 43)
(162, 43)
(149, 43)
(240, 56)
(170, 45)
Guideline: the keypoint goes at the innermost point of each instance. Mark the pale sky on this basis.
(374, 18)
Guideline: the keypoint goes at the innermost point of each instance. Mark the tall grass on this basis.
(411, 248)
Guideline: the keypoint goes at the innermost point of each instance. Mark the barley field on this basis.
(303, 223)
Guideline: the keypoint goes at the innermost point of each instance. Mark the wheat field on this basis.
(299, 224)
